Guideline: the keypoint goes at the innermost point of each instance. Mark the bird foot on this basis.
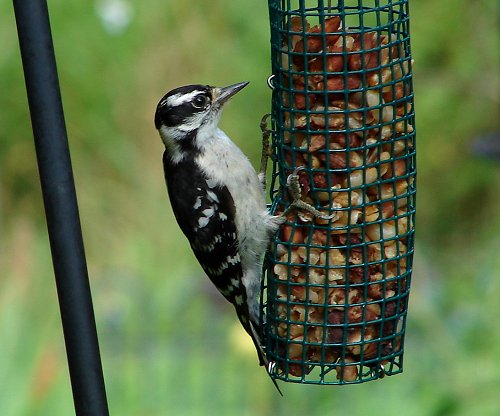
(266, 149)
(295, 191)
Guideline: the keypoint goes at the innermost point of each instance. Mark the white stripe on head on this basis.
(181, 98)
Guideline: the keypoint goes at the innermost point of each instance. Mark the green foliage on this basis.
(169, 343)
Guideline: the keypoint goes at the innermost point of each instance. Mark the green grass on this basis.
(169, 343)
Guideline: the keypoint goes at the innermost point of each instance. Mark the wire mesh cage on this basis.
(336, 294)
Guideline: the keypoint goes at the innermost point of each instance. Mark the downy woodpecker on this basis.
(217, 197)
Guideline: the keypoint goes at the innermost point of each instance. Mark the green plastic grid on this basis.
(336, 294)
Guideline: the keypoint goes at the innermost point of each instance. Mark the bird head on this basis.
(184, 111)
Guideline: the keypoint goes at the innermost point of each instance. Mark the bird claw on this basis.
(295, 191)
(266, 149)
(292, 181)
(293, 184)
(263, 124)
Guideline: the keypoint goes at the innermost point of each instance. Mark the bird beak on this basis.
(222, 95)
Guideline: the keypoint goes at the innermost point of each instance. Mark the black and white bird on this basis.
(217, 197)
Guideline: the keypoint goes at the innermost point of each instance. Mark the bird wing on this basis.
(205, 213)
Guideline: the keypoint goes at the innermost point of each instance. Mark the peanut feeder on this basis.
(336, 294)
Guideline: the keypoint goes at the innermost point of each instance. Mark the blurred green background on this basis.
(169, 343)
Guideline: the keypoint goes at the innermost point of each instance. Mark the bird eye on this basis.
(200, 101)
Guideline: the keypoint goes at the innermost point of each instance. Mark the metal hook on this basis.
(269, 81)
(378, 372)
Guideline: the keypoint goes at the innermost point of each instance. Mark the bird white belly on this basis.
(231, 168)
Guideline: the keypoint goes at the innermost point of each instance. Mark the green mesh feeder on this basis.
(336, 293)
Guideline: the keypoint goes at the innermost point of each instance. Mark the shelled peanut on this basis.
(341, 282)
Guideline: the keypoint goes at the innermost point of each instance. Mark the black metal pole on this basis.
(61, 207)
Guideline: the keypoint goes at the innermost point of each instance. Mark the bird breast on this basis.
(227, 164)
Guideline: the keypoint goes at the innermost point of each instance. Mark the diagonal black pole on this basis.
(61, 207)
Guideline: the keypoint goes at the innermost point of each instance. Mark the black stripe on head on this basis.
(181, 103)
